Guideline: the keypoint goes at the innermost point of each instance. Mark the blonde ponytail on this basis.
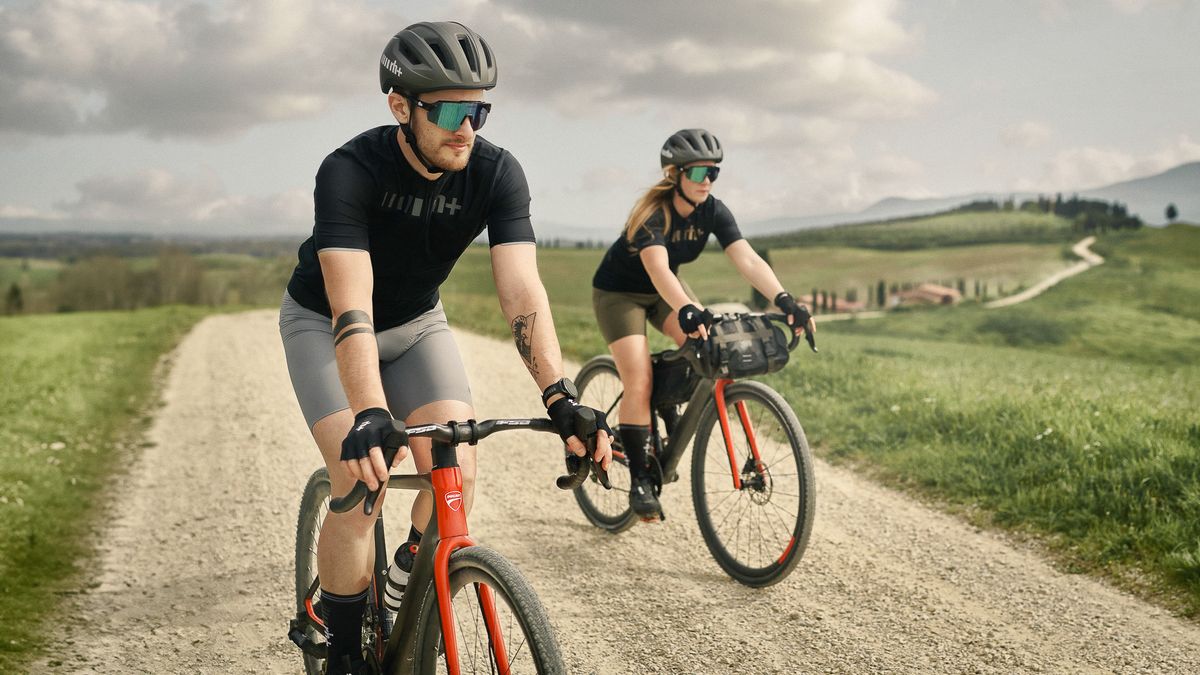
(657, 197)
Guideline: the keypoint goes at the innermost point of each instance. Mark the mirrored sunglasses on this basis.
(449, 115)
(697, 174)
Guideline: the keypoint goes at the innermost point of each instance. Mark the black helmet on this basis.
(690, 145)
(430, 56)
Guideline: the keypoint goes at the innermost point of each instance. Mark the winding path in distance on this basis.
(1088, 260)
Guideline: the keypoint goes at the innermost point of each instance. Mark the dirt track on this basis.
(196, 568)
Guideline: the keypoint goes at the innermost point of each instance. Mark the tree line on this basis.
(1086, 215)
(172, 277)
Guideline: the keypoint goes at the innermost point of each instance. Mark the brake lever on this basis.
(391, 444)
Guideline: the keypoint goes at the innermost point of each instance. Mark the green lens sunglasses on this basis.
(449, 115)
(697, 174)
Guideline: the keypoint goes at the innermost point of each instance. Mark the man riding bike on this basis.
(637, 280)
(363, 328)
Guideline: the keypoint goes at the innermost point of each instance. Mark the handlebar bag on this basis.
(745, 345)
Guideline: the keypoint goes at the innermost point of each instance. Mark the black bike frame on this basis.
(685, 427)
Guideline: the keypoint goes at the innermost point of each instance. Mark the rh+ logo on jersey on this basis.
(454, 500)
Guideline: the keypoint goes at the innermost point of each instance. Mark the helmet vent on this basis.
(487, 55)
(441, 54)
(409, 54)
(470, 54)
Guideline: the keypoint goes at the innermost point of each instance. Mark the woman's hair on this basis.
(657, 197)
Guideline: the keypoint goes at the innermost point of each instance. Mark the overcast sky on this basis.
(212, 116)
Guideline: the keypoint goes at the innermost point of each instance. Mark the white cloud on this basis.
(786, 86)
(1027, 134)
(181, 69)
(781, 64)
(165, 200)
(24, 212)
(1088, 167)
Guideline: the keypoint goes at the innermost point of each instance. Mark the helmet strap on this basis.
(411, 138)
(679, 191)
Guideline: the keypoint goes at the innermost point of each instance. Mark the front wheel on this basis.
(314, 506)
(757, 532)
(600, 388)
(524, 629)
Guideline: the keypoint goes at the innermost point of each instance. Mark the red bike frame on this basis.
(751, 439)
(452, 524)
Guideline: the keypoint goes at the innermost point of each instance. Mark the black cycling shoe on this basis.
(348, 666)
(642, 499)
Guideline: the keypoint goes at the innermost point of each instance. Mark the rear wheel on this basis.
(756, 532)
(600, 388)
(525, 630)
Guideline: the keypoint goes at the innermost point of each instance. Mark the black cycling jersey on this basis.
(369, 198)
(622, 271)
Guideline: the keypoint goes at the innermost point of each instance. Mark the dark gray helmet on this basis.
(430, 56)
(690, 145)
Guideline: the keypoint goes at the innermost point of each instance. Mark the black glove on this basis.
(691, 318)
(571, 419)
(797, 314)
(563, 413)
(371, 427)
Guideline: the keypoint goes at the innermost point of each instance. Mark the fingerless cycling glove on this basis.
(691, 318)
(371, 426)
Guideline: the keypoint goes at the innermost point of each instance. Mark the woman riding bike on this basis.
(637, 280)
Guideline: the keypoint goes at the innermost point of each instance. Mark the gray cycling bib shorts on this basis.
(419, 362)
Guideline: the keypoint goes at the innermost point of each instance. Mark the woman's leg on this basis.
(632, 356)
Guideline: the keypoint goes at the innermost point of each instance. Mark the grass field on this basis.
(1141, 306)
(947, 229)
(840, 269)
(74, 390)
(1070, 417)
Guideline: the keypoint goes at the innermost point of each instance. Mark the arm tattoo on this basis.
(522, 330)
(354, 317)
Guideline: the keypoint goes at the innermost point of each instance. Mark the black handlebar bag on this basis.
(744, 345)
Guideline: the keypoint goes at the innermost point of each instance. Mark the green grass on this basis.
(1098, 457)
(839, 269)
(1142, 306)
(27, 272)
(74, 390)
(947, 229)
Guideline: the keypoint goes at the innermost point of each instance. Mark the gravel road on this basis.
(194, 574)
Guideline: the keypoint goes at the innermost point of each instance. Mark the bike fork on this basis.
(747, 428)
(452, 521)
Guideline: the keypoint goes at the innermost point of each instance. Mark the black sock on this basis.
(414, 535)
(343, 623)
(634, 440)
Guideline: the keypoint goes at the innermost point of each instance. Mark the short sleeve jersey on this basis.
(621, 269)
(369, 198)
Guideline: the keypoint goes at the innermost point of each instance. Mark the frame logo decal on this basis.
(454, 500)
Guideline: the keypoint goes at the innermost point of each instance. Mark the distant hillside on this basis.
(1145, 197)
(957, 228)
(1148, 197)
